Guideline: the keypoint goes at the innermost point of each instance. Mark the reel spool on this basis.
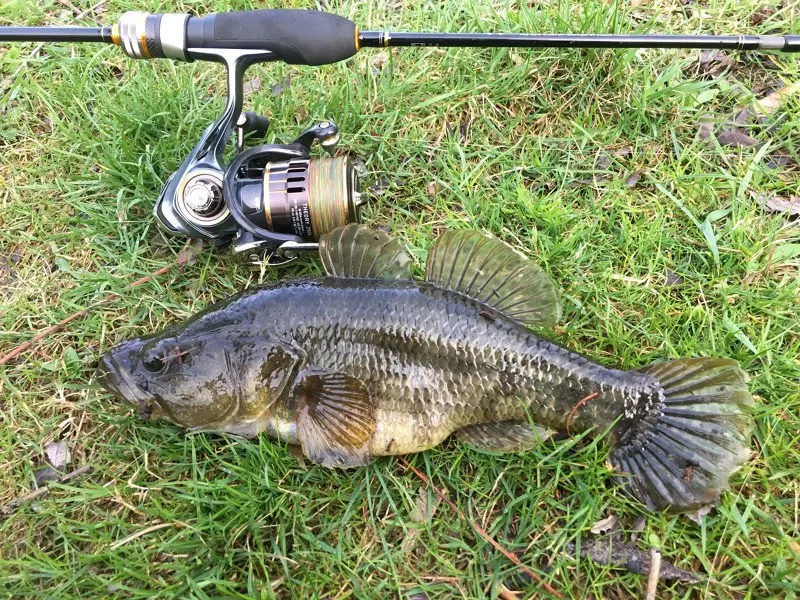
(303, 197)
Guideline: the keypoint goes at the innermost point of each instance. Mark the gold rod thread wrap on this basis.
(329, 194)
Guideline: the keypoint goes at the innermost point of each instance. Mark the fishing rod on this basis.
(275, 199)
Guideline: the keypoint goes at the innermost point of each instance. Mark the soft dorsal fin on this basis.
(360, 252)
(335, 419)
(490, 271)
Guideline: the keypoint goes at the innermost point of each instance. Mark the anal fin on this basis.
(335, 419)
(503, 436)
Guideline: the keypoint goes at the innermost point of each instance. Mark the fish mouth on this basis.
(117, 381)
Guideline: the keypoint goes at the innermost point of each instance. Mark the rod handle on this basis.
(300, 37)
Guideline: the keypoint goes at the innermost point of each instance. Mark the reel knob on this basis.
(203, 197)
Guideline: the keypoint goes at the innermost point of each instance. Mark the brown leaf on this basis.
(734, 137)
(778, 204)
(596, 180)
(705, 127)
(697, 516)
(188, 255)
(251, 86)
(278, 88)
(380, 60)
(624, 151)
(672, 279)
(45, 474)
(633, 179)
(604, 525)
(434, 188)
(772, 102)
(761, 15)
(58, 453)
(713, 62)
(602, 162)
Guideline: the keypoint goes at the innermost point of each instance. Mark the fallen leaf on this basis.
(45, 474)
(462, 128)
(278, 88)
(778, 204)
(624, 151)
(733, 137)
(697, 516)
(705, 126)
(422, 513)
(772, 102)
(761, 14)
(380, 60)
(188, 255)
(434, 188)
(633, 179)
(672, 279)
(638, 528)
(713, 62)
(777, 160)
(604, 525)
(58, 453)
(596, 180)
(251, 86)
(602, 162)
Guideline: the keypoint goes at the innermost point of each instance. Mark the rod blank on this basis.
(375, 39)
(55, 34)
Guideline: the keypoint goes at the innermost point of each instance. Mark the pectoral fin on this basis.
(335, 420)
(361, 252)
(503, 436)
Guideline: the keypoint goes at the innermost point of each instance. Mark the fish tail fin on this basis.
(680, 454)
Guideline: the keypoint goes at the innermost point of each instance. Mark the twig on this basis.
(35, 52)
(655, 571)
(8, 509)
(180, 261)
(480, 531)
(575, 408)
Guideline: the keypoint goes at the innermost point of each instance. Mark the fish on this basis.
(368, 361)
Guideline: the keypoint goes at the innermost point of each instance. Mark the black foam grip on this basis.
(301, 37)
(792, 43)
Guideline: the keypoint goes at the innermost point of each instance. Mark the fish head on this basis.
(200, 380)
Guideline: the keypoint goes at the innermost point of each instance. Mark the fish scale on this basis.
(467, 368)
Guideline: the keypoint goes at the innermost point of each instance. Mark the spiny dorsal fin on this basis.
(360, 252)
(503, 436)
(490, 271)
(335, 419)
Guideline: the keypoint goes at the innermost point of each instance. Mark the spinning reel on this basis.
(272, 200)
(275, 199)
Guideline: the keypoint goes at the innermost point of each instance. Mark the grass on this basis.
(534, 147)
